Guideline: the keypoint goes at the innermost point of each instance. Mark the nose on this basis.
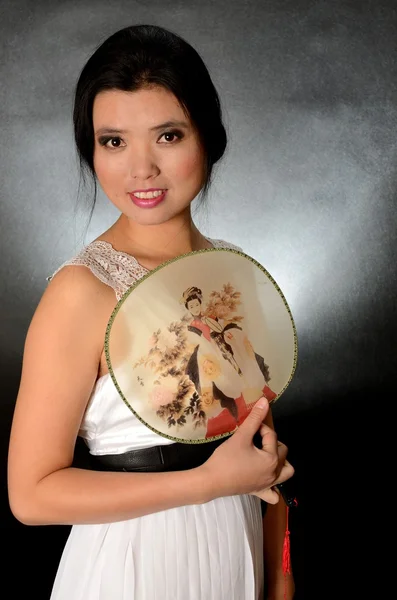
(143, 163)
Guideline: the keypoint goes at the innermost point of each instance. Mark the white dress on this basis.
(211, 551)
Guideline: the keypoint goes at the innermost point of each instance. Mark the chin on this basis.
(155, 216)
(151, 217)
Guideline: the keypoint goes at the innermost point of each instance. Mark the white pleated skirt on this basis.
(212, 551)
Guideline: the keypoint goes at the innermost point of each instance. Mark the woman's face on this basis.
(147, 154)
(194, 307)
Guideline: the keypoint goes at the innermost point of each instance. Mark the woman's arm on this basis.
(60, 366)
(280, 585)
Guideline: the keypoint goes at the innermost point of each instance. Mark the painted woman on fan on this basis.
(226, 396)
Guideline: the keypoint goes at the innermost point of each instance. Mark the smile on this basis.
(147, 198)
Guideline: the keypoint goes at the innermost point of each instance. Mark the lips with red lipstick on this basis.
(147, 198)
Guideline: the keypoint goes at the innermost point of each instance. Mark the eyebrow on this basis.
(167, 124)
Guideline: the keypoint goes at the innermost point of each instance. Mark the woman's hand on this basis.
(238, 467)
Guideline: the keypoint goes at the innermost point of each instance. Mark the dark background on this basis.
(308, 187)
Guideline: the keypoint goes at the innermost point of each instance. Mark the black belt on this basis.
(169, 457)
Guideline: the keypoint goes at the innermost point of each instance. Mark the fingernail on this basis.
(262, 403)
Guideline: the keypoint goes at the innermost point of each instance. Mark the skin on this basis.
(62, 362)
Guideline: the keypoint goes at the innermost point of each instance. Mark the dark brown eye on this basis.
(111, 142)
(171, 137)
(115, 142)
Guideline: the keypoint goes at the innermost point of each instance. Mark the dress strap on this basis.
(116, 269)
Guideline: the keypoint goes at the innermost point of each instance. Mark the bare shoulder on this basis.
(76, 284)
(75, 307)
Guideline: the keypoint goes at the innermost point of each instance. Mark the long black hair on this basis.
(144, 55)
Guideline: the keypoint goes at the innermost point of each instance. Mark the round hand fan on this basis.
(196, 342)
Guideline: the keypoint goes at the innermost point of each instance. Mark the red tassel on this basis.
(286, 550)
(287, 554)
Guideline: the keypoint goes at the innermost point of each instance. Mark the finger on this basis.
(286, 472)
(269, 439)
(254, 420)
(282, 451)
(282, 458)
(269, 495)
(264, 429)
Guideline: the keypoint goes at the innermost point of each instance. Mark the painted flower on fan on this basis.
(224, 304)
(210, 367)
(166, 341)
(170, 382)
(207, 398)
(160, 396)
(167, 350)
(222, 311)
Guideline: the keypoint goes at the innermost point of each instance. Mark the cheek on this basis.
(189, 165)
(106, 170)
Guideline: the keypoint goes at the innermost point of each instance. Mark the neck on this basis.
(154, 244)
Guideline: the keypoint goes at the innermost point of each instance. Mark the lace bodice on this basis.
(117, 269)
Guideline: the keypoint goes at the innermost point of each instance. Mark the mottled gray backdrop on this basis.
(308, 187)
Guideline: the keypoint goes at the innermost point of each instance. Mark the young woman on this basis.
(148, 127)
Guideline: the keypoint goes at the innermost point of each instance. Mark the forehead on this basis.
(147, 106)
